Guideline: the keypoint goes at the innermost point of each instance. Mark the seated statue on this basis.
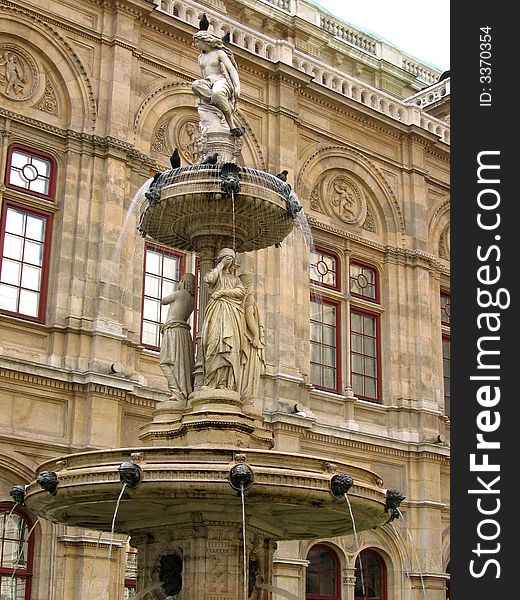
(220, 85)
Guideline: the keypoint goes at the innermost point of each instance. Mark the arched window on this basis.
(16, 553)
(370, 576)
(323, 580)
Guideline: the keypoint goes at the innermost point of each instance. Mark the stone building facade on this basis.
(94, 97)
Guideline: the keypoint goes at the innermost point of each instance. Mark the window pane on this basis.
(369, 326)
(370, 367)
(315, 332)
(150, 333)
(35, 228)
(31, 277)
(329, 314)
(10, 272)
(152, 286)
(329, 378)
(327, 587)
(329, 335)
(19, 159)
(16, 178)
(370, 388)
(171, 268)
(40, 185)
(369, 347)
(42, 166)
(357, 343)
(357, 363)
(356, 322)
(33, 252)
(15, 221)
(12, 588)
(29, 302)
(357, 385)
(153, 262)
(8, 298)
(13, 246)
(151, 309)
(312, 583)
(329, 356)
(315, 353)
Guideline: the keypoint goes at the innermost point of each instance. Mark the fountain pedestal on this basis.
(211, 417)
(211, 551)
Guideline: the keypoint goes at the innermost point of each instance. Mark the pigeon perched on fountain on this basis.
(175, 159)
(283, 175)
(203, 23)
(210, 160)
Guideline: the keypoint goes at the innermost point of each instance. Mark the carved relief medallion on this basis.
(18, 73)
(347, 201)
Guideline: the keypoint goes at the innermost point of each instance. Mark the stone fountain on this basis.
(207, 457)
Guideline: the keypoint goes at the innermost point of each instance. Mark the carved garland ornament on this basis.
(19, 74)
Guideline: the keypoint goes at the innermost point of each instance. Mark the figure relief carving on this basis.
(19, 74)
(188, 142)
(347, 201)
(177, 358)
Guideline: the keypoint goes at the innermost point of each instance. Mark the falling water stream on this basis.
(17, 564)
(150, 588)
(356, 539)
(234, 220)
(412, 546)
(11, 512)
(123, 487)
(244, 541)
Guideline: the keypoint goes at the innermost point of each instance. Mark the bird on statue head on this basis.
(175, 159)
(226, 38)
(283, 175)
(203, 23)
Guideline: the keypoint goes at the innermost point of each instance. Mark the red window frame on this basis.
(446, 375)
(40, 317)
(336, 271)
(363, 558)
(335, 573)
(377, 337)
(365, 266)
(36, 154)
(182, 262)
(27, 571)
(337, 338)
(445, 303)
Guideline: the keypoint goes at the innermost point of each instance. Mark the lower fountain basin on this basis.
(193, 205)
(290, 497)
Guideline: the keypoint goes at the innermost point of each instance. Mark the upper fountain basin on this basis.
(193, 205)
(290, 496)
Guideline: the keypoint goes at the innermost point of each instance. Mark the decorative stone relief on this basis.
(369, 223)
(187, 141)
(347, 200)
(19, 74)
(315, 199)
(444, 244)
(49, 101)
(159, 139)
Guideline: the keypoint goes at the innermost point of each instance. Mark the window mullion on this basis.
(346, 327)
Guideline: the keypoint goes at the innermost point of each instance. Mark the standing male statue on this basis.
(177, 357)
(220, 86)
